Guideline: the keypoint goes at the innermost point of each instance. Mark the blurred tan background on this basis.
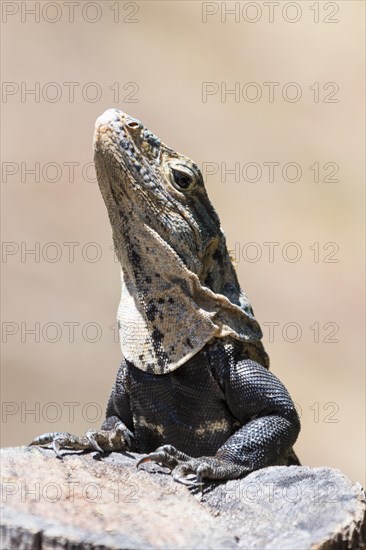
(157, 56)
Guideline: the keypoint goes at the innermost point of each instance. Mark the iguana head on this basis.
(179, 288)
(140, 176)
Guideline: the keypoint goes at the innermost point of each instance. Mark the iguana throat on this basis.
(179, 288)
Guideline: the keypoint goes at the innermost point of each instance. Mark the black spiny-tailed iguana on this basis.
(193, 390)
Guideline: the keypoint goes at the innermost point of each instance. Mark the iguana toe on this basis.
(91, 437)
(161, 456)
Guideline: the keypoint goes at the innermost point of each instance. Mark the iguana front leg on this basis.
(270, 427)
(114, 434)
(117, 438)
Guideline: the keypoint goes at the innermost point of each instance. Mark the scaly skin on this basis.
(193, 390)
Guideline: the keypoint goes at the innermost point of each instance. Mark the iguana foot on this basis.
(192, 471)
(116, 439)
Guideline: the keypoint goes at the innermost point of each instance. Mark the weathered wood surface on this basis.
(90, 502)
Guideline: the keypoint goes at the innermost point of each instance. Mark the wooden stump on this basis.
(86, 501)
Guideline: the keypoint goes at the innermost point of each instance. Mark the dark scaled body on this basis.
(219, 404)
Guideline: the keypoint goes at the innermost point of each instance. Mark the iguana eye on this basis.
(181, 179)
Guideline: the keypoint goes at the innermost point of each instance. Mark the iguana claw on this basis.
(56, 448)
(91, 438)
(191, 480)
(159, 458)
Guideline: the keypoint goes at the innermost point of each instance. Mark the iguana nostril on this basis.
(132, 124)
